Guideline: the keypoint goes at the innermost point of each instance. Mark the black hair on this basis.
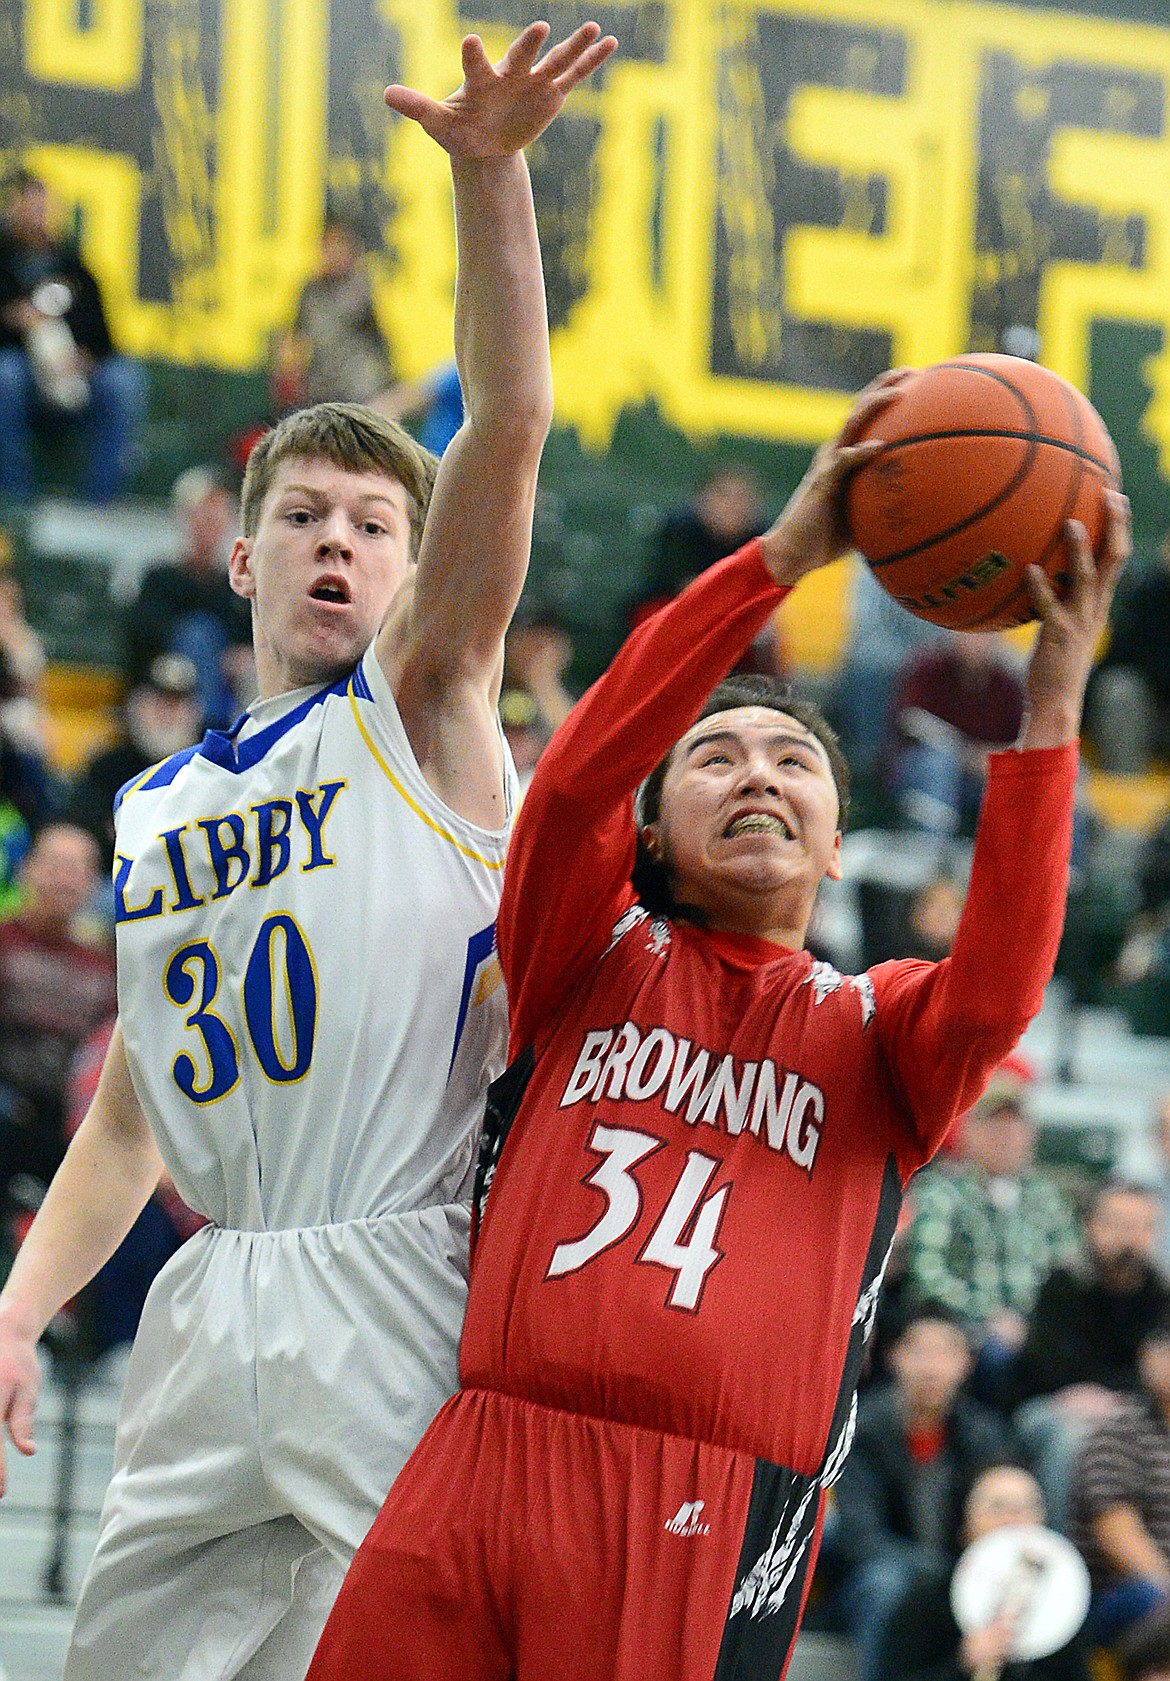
(19, 180)
(1116, 1186)
(651, 876)
(919, 1309)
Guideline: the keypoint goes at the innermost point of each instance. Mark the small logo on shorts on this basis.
(688, 1520)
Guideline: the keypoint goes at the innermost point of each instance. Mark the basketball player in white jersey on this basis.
(307, 985)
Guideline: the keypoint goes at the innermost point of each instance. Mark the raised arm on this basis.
(104, 1183)
(946, 1025)
(442, 645)
(568, 874)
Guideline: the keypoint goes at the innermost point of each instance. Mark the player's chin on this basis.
(330, 652)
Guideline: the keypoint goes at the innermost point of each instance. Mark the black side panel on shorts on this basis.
(840, 1437)
(769, 1582)
(776, 1555)
(504, 1097)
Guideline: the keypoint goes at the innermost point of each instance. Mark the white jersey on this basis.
(307, 979)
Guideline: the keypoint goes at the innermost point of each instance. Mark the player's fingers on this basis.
(588, 62)
(849, 457)
(1118, 529)
(408, 102)
(20, 1424)
(560, 57)
(1082, 568)
(523, 53)
(892, 376)
(1041, 594)
(871, 402)
(477, 66)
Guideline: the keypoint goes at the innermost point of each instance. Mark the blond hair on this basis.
(352, 437)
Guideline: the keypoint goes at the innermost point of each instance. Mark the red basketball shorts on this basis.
(522, 1543)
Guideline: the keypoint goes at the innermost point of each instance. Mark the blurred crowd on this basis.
(1020, 1371)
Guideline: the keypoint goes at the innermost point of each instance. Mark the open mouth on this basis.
(335, 591)
(757, 823)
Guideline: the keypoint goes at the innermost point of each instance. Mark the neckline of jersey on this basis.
(743, 951)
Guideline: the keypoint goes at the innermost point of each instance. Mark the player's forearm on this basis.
(574, 842)
(501, 324)
(1014, 913)
(109, 1172)
(1051, 722)
(946, 1025)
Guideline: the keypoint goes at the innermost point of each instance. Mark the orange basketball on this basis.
(986, 457)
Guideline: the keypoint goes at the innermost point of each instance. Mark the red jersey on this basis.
(689, 1222)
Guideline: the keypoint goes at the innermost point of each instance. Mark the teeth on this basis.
(758, 823)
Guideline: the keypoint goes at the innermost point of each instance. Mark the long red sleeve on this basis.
(944, 1025)
(569, 863)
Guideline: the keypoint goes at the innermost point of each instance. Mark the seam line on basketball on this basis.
(996, 432)
(1004, 495)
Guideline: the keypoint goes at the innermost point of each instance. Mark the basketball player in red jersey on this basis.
(708, 1133)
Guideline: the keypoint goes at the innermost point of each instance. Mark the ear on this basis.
(652, 841)
(240, 572)
(834, 867)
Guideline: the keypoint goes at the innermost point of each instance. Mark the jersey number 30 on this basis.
(683, 1238)
(280, 1010)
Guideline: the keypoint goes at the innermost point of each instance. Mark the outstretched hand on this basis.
(502, 108)
(812, 531)
(1071, 629)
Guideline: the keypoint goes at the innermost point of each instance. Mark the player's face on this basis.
(748, 824)
(329, 553)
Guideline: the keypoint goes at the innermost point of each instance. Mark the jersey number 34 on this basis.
(682, 1239)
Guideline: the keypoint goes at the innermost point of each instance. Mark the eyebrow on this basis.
(312, 494)
(775, 738)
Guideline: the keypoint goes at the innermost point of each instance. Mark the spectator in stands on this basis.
(1128, 706)
(1143, 1652)
(932, 919)
(189, 607)
(989, 1229)
(1080, 1355)
(161, 715)
(334, 351)
(923, 1641)
(434, 402)
(21, 649)
(952, 705)
(1120, 1498)
(29, 793)
(881, 639)
(54, 990)
(725, 512)
(119, 1289)
(537, 653)
(58, 365)
(1143, 964)
(919, 1445)
(1160, 1183)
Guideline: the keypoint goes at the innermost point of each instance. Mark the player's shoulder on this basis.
(237, 751)
(856, 992)
(159, 775)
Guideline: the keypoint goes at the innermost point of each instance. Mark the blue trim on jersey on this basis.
(160, 777)
(222, 748)
(479, 948)
(361, 687)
